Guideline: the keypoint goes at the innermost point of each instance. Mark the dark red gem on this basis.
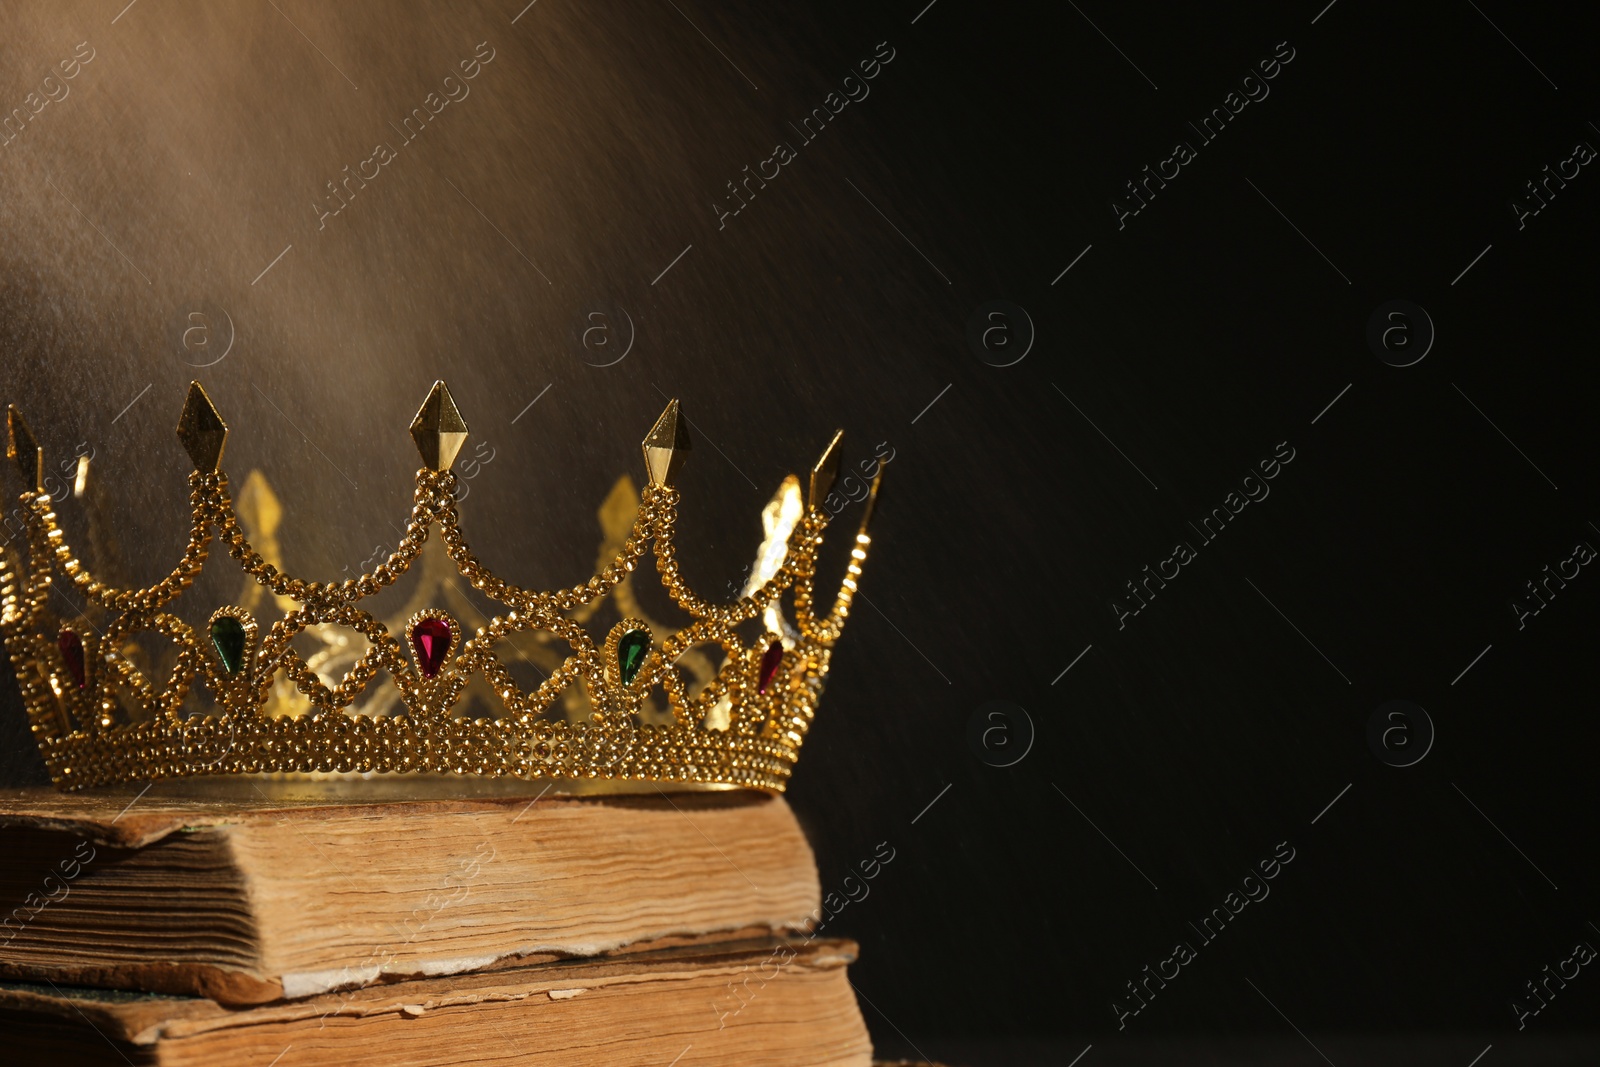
(771, 660)
(430, 639)
(71, 646)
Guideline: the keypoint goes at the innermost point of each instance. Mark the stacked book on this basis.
(660, 929)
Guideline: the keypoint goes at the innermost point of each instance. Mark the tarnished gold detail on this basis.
(280, 712)
(201, 430)
(439, 430)
(825, 472)
(23, 450)
(666, 446)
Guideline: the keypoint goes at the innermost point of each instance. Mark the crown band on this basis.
(97, 720)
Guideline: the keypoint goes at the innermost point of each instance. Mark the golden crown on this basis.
(99, 720)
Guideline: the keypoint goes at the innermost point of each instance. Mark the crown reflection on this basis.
(302, 677)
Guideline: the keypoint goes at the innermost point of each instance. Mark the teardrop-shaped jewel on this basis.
(771, 660)
(228, 638)
(631, 651)
(430, 639)
(71, 646)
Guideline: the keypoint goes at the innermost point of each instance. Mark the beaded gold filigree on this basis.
(98, 720)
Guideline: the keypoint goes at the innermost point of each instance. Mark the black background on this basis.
(1226, 716)
(1209, 730)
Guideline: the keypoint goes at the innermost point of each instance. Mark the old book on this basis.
(246, 903)
(757, 1004)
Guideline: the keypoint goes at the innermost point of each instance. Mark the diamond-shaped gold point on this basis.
(201, 430)
(666, 446)
(439, 430)
(23, 449)
(872, 499)
(824, 473)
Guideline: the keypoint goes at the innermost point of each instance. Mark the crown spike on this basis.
(439, 430)
(201, 430)
(825, 471)
(666, 446)
(871, 503)
(22, 448)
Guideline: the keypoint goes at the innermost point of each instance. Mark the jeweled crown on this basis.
(99, 720)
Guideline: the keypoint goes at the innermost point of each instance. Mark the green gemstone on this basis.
(227, 636)
(631, 651)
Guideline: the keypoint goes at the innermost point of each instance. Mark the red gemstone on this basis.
(71, 646)
(430, 639)
(771, 660)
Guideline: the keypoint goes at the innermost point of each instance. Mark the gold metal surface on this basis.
(201, 430)
(666, 446)
(778, 519)
(120, 727)
(22, 449)
(826, 472)
(333, 788)
(439, 430)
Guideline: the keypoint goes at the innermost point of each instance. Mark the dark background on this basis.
(1183, 746)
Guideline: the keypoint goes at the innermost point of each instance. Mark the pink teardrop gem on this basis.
(430, 639)
(71, 646)
(771, 660)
